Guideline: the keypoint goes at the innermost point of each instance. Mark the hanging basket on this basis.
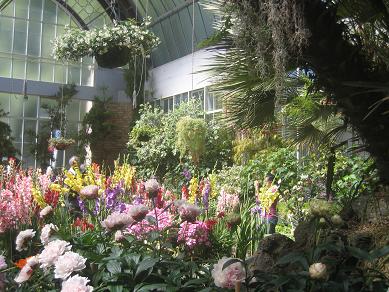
(115, 57)
(61, 143)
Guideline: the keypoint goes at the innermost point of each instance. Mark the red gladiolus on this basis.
(221, 215)
(83, 224)
(210, 223)
(184, 192)
(51, 198)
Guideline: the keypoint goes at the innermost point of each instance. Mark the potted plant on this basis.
(110, 45)
(61, 143)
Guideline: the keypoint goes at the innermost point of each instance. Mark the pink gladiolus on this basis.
(193, 234)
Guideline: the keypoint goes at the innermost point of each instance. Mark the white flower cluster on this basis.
(76, 43)
(56, 253)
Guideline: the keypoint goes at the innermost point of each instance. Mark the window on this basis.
(27, 119)
(27, 28)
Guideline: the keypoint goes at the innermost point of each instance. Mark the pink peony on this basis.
(3, 264)
(117, 221)
(76, 284)
(22, 237)
(138, 212)
(193, 234)
(89, 192)
(149, 224)
(45, 211)
(52, 251)
(228, 277)
(68, 263)
(46, 232)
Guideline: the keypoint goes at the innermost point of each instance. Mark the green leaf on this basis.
(195, 282)
(151, 287)
(114, 267)
(292, 258)
(145, 265)
(117, 288)
(359, 253)
(230, 262)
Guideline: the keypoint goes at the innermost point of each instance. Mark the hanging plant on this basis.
(111, 45)
(61, 143)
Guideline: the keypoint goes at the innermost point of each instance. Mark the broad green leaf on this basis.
(114, 267)
(377, 253)
(151, 287)
(145, 265)
(230, 262)
(292, 258)
(116, 288)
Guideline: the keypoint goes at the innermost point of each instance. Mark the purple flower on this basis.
(206, 191)
(111, 196)
(256, 209)
(81, 204)
(186, 174)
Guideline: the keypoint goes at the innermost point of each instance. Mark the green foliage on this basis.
(154, 148)
(96, 126)
(6, 146)
(191, 135)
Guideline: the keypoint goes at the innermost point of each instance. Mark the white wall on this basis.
(176, 77)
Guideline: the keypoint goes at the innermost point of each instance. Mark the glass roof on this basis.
(172, 21)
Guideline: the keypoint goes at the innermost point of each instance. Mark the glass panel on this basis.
(72, 110)
(60, 73)
(21, 9)
(44, 128)
(165, 104)
(87, 76)
(18, 147)
(46, 101)
(34, 37)
(28, 159)
(29, 130)
(36, 10)
(20, 36)
(49, 12)
(170, 103)
(209, 102)
(8, 10)
(63, 18)
(18, 69)
(33, 70)
(16, 106)
(59, 159)
(4, 101)
(16, 128)
(177, 100)
(6, 27)
(30, 106)
(47, 36)
(74, 75)
(184, 97)
(47, 72)
(5, 67)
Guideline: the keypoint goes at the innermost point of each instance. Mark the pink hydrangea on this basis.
(227, 202)
(193, 234)
(148, 224)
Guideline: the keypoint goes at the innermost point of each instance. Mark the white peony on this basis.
(76, 283)
(26, 272)
(138, 212)
(68, 263)
(53, 250)
(228, 277)
(318, 271)
(46, 232)
(117, 221)
(22, 237)
(3, 264)
(152, 186)
(45, 211)
(119, 236)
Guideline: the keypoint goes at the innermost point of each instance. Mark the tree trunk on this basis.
(337, 63)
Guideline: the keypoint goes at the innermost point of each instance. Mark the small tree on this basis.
(191, 137)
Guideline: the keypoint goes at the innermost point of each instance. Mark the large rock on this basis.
(372, 208)
(270, 250)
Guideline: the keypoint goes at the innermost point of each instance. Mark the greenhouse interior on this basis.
(194, 145)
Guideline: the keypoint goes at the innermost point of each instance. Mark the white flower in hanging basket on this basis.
(61, 143)
(121, 40)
